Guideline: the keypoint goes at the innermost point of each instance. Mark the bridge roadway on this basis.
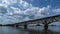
(45, 21)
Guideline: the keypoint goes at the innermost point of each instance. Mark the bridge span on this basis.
(45, 21)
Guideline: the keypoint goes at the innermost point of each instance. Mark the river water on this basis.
(30, 30)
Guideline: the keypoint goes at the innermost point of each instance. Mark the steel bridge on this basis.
(45, 21)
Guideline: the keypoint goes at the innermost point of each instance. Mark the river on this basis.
(30, 30)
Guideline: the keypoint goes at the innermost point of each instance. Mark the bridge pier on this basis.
(25, 26)
(16, 25)
(46, 26)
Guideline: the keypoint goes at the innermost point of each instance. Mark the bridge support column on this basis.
(25, 26)
(16, 25)
(45, 26)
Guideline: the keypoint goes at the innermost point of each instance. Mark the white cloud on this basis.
(16, 14)
(57, 10)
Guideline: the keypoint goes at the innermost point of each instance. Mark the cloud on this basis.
(57, 10)
(18, 10)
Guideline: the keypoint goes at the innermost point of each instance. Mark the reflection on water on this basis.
(30, 30)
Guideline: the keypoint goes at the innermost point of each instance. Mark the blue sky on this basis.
(44, 3)
(22, 10)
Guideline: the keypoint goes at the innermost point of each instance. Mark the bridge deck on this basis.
(48, 20)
